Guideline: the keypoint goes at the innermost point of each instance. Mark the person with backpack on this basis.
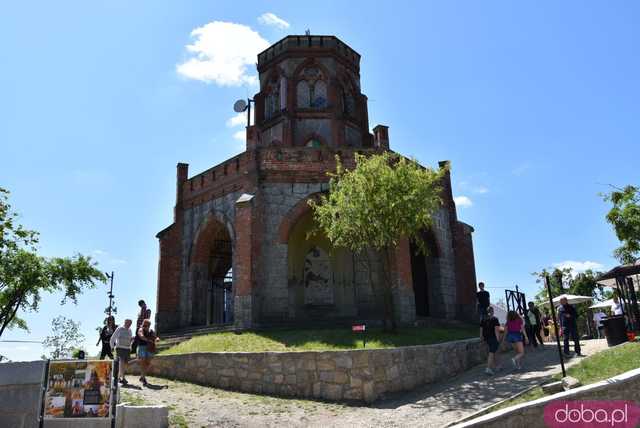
(492, 335)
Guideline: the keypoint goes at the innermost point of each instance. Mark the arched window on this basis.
(311, 91)
(274, 101)
(348, 101)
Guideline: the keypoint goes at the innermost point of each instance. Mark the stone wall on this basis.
(531, 415)
(360, 375)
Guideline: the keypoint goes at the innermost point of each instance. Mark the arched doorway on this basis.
(421, 267)
(211, 269)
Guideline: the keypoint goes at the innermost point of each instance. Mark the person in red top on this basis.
(517, 336)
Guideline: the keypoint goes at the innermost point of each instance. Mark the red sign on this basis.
(360, 327)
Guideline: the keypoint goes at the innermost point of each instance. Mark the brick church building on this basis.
(237, 251)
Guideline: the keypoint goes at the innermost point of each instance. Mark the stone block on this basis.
(344, 361)
(325, 364)
(141, 416)
(368, 392)
(552, 387)
(278, 379)
(331, 391)
(570, 382)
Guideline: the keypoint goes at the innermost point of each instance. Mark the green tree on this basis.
(563, 281)
(384, 199)
(65, 337)
(25, 275)
(625, 218)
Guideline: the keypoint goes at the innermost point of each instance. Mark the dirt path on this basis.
(432, 406)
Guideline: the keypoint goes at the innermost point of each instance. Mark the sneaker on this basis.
(580, 355)
(124, 382)
(567, 355)
(488, 371)
(515, 363)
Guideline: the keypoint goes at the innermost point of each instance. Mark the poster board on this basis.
(78, 389)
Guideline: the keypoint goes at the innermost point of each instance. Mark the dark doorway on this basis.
(220, 311)
(420, 281)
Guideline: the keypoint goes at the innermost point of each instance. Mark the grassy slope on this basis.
(601, 366)
(325, 339)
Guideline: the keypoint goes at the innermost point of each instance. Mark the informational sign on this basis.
(78, 389)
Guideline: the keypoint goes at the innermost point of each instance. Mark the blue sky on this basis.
(536, 105)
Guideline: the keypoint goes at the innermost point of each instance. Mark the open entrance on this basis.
(420, 266)
(213, 275)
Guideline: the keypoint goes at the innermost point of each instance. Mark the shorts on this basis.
(143, 352)
(514, 337)
(493, 344)
(123, 354)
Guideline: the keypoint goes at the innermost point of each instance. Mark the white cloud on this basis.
(272, 20)
(221, 52)
(107, 258)
(240, 135)
(481, 190)
(237, 120)
(578, 267)
(521, 169)
(462, 201)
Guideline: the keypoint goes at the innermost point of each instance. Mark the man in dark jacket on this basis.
(483, 302)
(532, 323)
(568, 318)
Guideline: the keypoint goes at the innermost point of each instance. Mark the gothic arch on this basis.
(298, 211)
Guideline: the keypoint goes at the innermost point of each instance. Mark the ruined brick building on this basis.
(237, 251)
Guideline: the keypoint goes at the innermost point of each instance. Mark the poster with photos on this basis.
(78, 389)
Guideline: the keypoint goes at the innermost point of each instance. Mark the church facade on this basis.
(237, 252)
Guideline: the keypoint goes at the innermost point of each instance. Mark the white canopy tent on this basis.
(602, 305)
(571, 299)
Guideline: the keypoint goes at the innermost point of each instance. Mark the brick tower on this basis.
(238, 252)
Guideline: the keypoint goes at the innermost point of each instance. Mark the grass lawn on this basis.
(603, 365)
(319, 340)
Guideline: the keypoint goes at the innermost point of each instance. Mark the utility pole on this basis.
(555, 324)
(111, 296)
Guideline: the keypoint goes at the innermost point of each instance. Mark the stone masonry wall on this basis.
(624, 387)
(360, 375)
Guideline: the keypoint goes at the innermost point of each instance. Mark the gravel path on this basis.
(431, 406)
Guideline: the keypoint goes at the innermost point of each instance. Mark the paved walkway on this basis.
(431, 406)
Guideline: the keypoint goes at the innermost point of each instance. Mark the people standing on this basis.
(597, 319)
(105, 337)
(568, 318)
(146, 348)
(546, 321)
(616, 306)
(483, 301)
(121, 342)
(533, 322)
(144, 314)
(517, 336)
(491, 335)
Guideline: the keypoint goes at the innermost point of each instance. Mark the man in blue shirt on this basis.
(569, 323)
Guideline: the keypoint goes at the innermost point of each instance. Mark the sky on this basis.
(534, 103)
